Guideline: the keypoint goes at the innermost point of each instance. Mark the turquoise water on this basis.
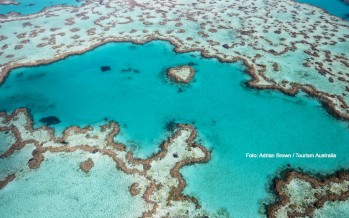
(35, 6)
(334, 7)
(230, 118)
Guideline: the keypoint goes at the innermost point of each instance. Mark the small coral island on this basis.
(182, 74)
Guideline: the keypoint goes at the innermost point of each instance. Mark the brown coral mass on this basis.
(87, 165)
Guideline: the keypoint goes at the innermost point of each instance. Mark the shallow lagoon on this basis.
(59, 189)
(230, 118)
(34, 6)
(334, 7)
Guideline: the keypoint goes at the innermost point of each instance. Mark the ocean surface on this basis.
(34, 6)
(230, 118)
(334, 7)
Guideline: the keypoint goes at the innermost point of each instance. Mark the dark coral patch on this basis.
(50, 120)
(171, 126)
(105, 68)
(192, 64)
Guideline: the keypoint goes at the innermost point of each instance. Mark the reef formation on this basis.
(300, 194)
(182, 74)
(157, 178)
(285, 45)
(8, 2)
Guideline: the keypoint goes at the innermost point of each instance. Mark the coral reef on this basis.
(8, 2)
(299, 194)
(87, 165)
(182, 74)
(158, 179)
(286, 45)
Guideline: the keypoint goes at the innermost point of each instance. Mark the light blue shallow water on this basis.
(60, 189)
(334, 7)
(35, 6)
(230, 119)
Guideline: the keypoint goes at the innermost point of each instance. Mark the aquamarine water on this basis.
(334, 7)
(35, 6)
(230, 118)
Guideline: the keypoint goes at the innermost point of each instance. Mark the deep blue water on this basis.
(230, 118)
(35, 6)
(334, 7)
